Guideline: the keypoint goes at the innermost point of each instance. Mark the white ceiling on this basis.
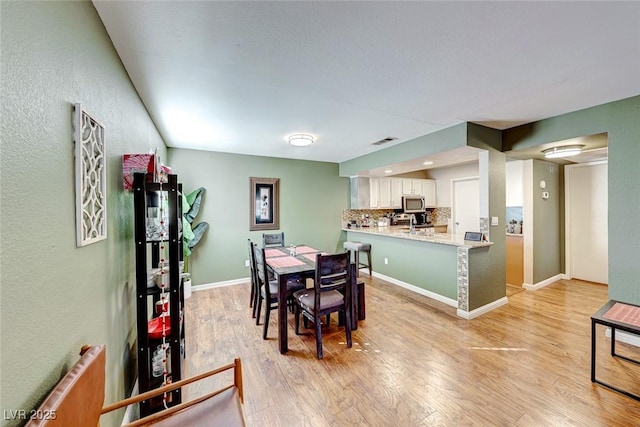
(241, 76)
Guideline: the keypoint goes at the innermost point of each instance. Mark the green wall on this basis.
(312, 197)
(548, 221)
(430, 266)
(446, 139)
(621, 121)
(56, 297)
(487, 278)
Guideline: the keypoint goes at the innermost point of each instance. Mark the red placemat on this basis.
(270, 253)
(624, 313)
(312, 257)
(305, 250)
(284, 261)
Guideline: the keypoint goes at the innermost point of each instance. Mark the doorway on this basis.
(465, 212)
(586, 222)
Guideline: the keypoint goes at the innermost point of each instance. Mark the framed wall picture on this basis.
(264, 204)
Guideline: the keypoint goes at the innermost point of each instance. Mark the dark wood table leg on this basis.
(613, 341)
(593, 351)
(354, 297)
(282, 313)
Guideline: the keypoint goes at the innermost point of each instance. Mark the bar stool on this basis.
(357, 247)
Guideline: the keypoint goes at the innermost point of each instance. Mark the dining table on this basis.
(285, 265)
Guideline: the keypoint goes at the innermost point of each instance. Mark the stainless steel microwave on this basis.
(413, 204)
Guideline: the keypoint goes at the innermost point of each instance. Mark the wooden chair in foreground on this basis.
(76, 401)
(331, 292)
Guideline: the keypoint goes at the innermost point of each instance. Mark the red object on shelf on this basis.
(155, 327)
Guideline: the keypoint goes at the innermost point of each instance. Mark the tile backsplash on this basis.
(349, 215)
(439, 216)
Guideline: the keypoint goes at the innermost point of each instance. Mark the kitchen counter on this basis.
(420, 234)
(441, 266)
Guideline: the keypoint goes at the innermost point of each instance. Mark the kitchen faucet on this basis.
(412, 224)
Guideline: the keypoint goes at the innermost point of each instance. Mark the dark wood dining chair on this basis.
(331, 292)
(255, 289)
(268, 289)
(272, 239)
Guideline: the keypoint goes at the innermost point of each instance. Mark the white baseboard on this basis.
(482, 310)
(220, 284)
(544, 283)
(426, 293)
(624, 337)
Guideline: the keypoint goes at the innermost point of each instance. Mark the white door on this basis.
(466, 205)
(587, 219)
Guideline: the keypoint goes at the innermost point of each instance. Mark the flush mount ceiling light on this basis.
(565, 151)
(428, 163)
(301, 139)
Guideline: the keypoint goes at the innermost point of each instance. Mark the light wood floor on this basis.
(415, 363)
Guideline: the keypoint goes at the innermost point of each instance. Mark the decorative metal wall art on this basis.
(91, 178)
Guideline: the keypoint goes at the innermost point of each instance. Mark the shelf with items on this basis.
(158, 249)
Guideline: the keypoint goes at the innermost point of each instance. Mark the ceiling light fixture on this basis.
(388, 171)
(301, 139)
(565, 151)
(428, 163)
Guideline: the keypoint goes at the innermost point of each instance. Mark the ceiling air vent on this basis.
(385, 140)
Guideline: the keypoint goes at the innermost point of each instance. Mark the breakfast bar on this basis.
(442, 266)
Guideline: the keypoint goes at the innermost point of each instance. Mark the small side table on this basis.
(615, 315)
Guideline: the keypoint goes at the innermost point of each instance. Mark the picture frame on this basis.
(264, 204)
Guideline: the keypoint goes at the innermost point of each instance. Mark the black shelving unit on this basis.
(145, 195)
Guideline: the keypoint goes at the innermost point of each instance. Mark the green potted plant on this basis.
(191, 234)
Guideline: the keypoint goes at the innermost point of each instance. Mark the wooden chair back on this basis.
(332, 272)
(262, 273)
(272, 239)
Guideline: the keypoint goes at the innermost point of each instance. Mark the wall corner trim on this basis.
(546, 282)
(482, 310)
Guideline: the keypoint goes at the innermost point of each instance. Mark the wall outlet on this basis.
(386, 261)
(246, 263)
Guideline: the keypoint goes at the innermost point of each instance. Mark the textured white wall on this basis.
(55, 296)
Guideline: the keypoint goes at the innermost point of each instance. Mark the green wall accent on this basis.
(548, 221)
(430, 266)
(446, 139)
(56, 297)
(312, 198)
(487, 278)
(621, 121)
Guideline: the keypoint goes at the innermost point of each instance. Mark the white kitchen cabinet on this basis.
(374, 187)
(412, 186)
(429, 192)
(390, 193)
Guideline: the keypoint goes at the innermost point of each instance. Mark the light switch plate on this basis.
(494, 220)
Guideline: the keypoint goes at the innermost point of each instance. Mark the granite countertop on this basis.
(423, 235)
